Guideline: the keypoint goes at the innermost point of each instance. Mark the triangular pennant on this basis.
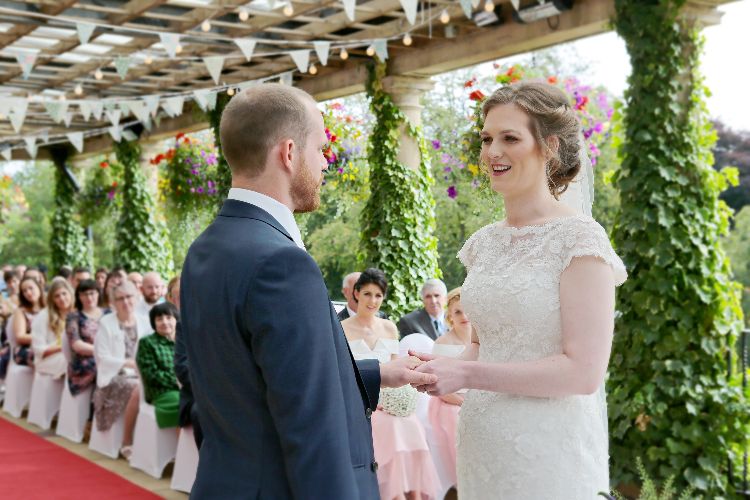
(129, 135)
(44, 136)
(214, 65)
(301, 59)
(124, 108)
(516, 4)
(30, 145)
(140, 111)
(76, 139)
(286, 78)
(173, 105)
(410, 9)
(157, 120)
(467, 7)
(96, 109)
(26, 61)
(116, 132)
(7, 154)
(12, 103)
(322, 48)
(17, 119)
(247, 85)
(122, 63)
(247, 46)
(84, 32)
(152, 104)
(206, 99)
(114, 116)
(349, 8)
(56, 110)
(110, 106)
(85, 107)
(68, 119)
(170, 41)
(381, 48)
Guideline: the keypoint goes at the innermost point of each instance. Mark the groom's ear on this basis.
(287, 150)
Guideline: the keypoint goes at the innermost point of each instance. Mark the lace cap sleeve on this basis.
(468, 253)
(586, 237)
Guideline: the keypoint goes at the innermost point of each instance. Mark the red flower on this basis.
(469, 83)
(477, 95)
(179, 136)
(114, 184)
(104, 164)
(552, 79)
(333, 138)
(510, 71)
(170, 154)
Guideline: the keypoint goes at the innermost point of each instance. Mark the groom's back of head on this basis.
(257, 119)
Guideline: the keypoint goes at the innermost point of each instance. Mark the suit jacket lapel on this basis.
(427, 324)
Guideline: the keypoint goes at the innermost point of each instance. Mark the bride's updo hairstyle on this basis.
(550, 114)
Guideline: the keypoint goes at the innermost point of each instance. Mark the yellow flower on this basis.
(473, 168)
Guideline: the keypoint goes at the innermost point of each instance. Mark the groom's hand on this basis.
(401, 371)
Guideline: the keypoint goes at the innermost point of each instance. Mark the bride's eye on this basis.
(486, 139)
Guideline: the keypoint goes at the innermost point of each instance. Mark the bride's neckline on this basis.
(503, 224)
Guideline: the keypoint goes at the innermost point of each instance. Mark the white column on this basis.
(406, 92)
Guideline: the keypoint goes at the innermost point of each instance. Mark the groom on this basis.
(285, 410)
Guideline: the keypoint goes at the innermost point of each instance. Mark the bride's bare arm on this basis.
(587, 315)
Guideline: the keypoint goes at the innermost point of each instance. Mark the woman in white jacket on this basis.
(48, 328)
(117, 389)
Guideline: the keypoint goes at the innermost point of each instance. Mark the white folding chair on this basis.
(153, 448)
(46, 392)
(18, 382)
(185, 462)
(74, 410)
(107, 442)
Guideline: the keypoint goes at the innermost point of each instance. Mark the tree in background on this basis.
(733, 150)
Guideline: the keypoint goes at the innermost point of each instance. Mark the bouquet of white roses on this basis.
(399, 401)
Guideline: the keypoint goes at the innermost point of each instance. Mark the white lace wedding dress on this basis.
(512, 447)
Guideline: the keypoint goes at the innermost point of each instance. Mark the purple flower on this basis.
(447, 170)
(190, 181)
(475, 183)
(452, 192)
(192, 190)
(462, 165)
(435, 144)
(200, 190)
(194, 172)
(587, 133)
(210, 184)
(445, 158)
(340, 170)
(599, 127)
(111, 195)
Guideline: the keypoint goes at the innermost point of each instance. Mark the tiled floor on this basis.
(119, 466)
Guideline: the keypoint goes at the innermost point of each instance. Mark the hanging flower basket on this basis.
(100, 196)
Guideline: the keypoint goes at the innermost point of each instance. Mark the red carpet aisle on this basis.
(33, 468)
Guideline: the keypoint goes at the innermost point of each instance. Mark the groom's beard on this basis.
(305, 190)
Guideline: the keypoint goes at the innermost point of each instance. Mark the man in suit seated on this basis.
(347, 288)
(430, 319)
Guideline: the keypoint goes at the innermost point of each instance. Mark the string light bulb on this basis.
(230, 91)
(78, 90)
(98, 74)
(344, 54)
(206, 25)
(313, 70)
(370, 51)
(61, 98)
(407, 39)
(178, 49)
(148, 59)
(489, 6)
(244, 15)
(288, 9)
(445, 18)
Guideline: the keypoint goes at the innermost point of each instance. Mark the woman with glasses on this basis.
(81, 328)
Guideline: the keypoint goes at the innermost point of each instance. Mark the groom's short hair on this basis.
(259, 117)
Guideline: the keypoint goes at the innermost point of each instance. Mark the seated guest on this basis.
(173, 291)
(137, 279)
(48, 327)
(117, 391)
(31, 301)
(156, 366)
(114, 279)
(65, 272)
(430, 319)
(79, 274)
(153, 290)
(100, 277)
(443, 410)
(81, 327)
(37, 274)
(405, 466)
(12, 282)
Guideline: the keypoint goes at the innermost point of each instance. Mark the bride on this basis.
(540, 290)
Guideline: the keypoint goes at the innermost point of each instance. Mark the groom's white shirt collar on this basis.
(278, 210)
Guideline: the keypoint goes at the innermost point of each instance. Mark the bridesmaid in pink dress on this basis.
(405, 467)
(443, 410)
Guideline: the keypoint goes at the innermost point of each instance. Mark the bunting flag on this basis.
(122, 63)
(44, 136)
(30, 145)
(301, 59)
(140, 110)
(68, 119)
(170, 42)
(116, 132)
(173, 105)
(247, 46)
(475, 3)
(152, 104)
(410, 9)
(129, 135)
(246, 85)
(56, 110)
(85, 107)
(206, 99)
(17, 119)
(286, 78)
(349, 8)
(12, 103)
(124, 108)
(97, 107)
(381, 48)
(114, 116)
(26, 61)
(517, 4)
(322, 48)
(76, 139)
(468, 8)
(7, 154)
(84, 32)
(214, 65)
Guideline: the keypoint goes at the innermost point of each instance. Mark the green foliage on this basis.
(670, 399)
(398, 220)
(737, 246)
(99, 199)
(68, 243)
(650, 490)
(142, 243)
(223, 172)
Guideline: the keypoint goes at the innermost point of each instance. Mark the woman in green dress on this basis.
(155, 363)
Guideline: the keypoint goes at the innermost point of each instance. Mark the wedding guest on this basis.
(79, 274)
(20, 269)
(405, 467)
(37, 274)
(443, 410)
(430, 319)
(153, 290)
(137, 279)
(347, 289)
(12, 282)
(31, 301)
(65, 272)
(101, 277)
(48, 327)
(173, 291)
(81, 327)
(155, 361)
(115, 344)
(115, 278)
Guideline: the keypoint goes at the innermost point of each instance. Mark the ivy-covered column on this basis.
(398, 221)
(68, 243)
(223, 172)
(142, 243)
(671, 402)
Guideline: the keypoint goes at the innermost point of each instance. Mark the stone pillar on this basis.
(406, 92)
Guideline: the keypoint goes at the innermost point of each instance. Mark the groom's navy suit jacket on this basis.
(284, 408)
